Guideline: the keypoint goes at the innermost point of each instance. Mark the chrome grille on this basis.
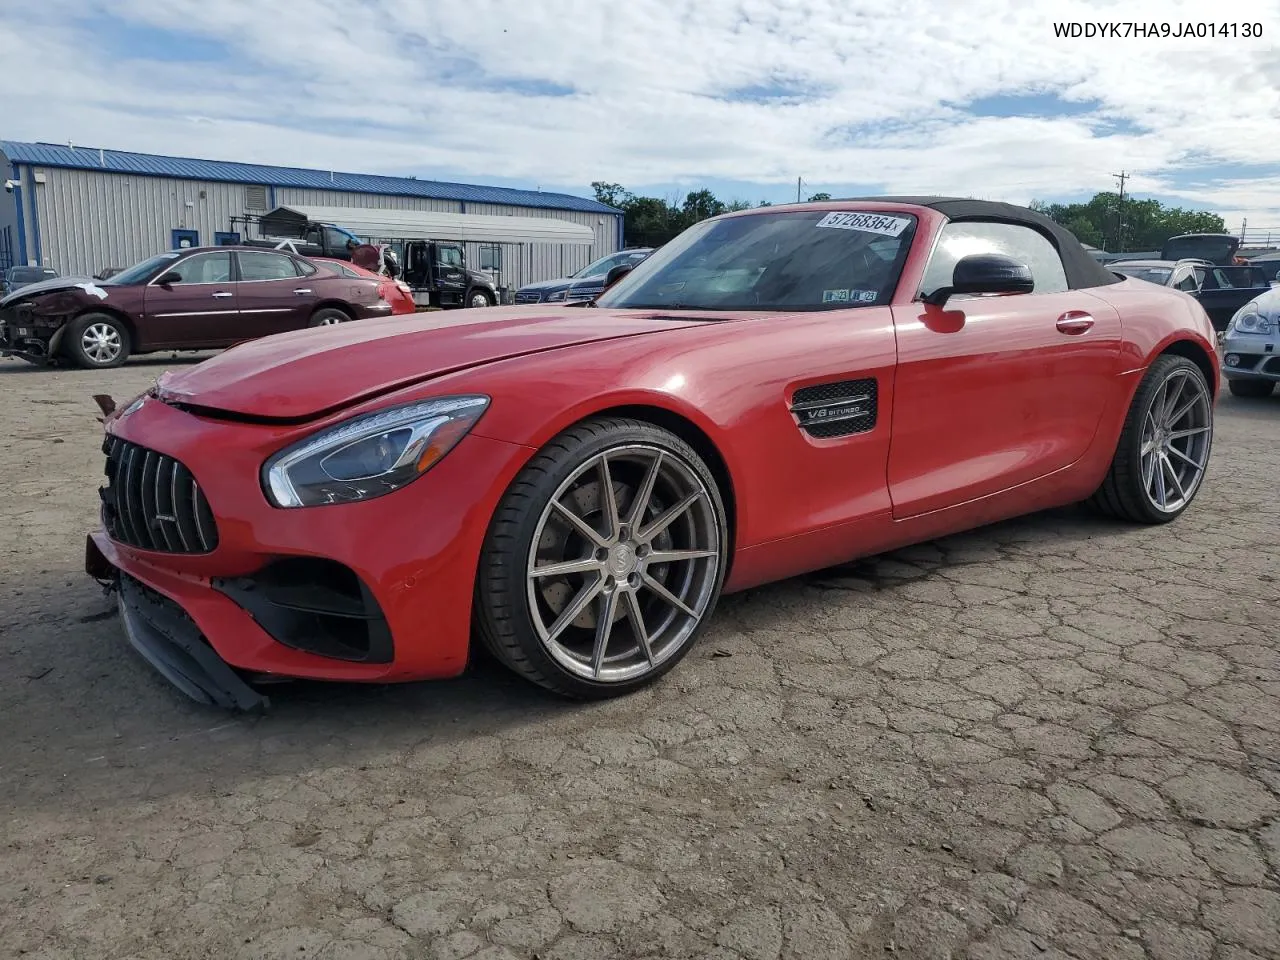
(529, 297)
(153, 502)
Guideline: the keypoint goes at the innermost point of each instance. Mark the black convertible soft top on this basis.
(1081, 269)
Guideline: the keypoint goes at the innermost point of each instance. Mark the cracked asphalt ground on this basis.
(1057, 737)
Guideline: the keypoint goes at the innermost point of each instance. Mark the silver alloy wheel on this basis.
(631, 535)
(101, 342)
(332, 320)
(1177, 432)
(479, 300)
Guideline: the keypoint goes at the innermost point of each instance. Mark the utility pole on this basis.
(1122, 176)
(797, 189)
(1244, 229)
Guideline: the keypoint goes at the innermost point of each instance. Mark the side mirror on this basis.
(985, 273)
(170, 277)
(615, 274)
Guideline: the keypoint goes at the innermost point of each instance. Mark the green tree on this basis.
(1137, 225)
(699, 205)
(610, 194)
(820, 196)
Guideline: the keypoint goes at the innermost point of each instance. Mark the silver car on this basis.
(1251, 347)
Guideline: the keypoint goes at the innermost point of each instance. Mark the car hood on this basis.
(547, 286)
(305, 374)
(56, 284)
(1218, 249)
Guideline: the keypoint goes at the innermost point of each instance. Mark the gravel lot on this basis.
(1057, 737)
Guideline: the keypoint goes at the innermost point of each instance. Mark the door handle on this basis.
(302, 290)
(1074, 322)
(220, 295)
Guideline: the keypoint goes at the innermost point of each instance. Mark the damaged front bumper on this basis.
(169, 640)
(31, 338)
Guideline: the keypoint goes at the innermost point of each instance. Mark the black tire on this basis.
(502, 611)
(479, 298)
(1253, 389)
(1122, 494)
(327, 316)
(90, 338)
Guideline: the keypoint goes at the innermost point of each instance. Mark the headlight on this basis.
(370, 455)
(558, 295)
(1249, 320)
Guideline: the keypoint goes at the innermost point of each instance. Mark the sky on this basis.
(979, 98)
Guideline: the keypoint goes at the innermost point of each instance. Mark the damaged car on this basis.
(203, 298)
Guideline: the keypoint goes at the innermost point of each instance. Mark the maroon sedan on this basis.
(198, 299)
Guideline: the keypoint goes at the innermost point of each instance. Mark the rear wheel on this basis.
(97, 341)
(1164, 448)
(479, 298)
(603, 560)
(327, 317)
(1256, 389)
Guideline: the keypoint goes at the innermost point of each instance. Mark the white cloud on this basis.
(389, 85)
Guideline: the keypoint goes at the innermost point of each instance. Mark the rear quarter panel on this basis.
(1154, 318)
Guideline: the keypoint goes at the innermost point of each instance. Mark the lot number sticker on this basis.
(865, 222)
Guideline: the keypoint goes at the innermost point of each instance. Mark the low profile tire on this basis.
(603, 561)
(1164, 448)
(479, 298)
(97, 341)
(1254, 389)
(327, 317)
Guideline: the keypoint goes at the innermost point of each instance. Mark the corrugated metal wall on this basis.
(91, 220)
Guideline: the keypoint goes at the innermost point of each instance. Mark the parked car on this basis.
(395, 292)
(17, 277)
(1221, 290)
(1251, 347)
(774, 391)
(193, 299)
(583, 285)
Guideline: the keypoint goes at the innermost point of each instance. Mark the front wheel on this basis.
(603, 561)
(479, 298)
(1164, 448)
(1254, 389)
(97, 341)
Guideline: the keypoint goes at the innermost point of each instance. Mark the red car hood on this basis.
(308, 373)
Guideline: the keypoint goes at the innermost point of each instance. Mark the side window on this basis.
(490, 256)
(1022, 243)
(451, 256)
(1187, 282)
(206, 268)
(266, 266)
(335, 239)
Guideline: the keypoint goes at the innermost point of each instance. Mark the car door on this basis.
(274, 294)
(451, 275)
(192, 303)
(996, 391)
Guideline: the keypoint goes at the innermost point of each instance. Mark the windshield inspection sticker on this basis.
(865, 222)
(848, 296)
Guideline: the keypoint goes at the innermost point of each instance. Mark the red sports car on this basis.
(773, 392)
(395, 292)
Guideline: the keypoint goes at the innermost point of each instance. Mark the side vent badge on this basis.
(837, 409)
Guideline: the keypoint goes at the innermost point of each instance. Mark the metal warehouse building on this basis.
(83, 209)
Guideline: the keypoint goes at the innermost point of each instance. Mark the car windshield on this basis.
(140, 271)
(794, 260)
(30, 274)
(1158, 275)
(599, 268)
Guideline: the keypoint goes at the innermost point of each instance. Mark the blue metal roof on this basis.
(221, 171)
